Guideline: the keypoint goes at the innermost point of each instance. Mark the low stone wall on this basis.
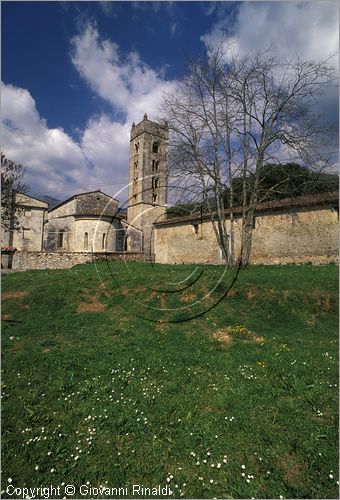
(65, 260)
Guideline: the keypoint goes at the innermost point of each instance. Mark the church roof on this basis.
(87, 193)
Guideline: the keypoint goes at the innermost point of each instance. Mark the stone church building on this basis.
(90, 225)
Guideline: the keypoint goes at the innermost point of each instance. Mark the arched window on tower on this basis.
(155, 147)
(86, 241)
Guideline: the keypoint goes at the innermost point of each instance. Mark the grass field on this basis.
(107, 382)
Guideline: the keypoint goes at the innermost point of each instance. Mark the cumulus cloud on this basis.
(56, 164)
(59, 165)
(28, 140)
(130, 86)
(309, 29)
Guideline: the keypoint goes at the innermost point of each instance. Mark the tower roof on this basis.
(149, 126)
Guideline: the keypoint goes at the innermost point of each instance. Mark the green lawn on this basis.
(107, 381)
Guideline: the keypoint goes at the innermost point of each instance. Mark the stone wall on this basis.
(25, 230)
(74, 229)
(65, 260)
(281, 237)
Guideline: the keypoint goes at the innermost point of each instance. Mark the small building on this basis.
(85, 222)
(24, 228)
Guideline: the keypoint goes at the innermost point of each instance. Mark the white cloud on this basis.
(27, 140)
(309, 29)
(56, 162)
(130, 86)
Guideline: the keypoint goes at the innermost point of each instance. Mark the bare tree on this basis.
(276, 100)
(201, 117)
(12, 175)
(233, 115)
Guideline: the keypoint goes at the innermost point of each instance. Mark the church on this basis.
(91, 225)
(92, 222)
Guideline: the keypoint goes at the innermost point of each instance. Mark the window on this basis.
(26, 234)
(104, 242)
(136, 147)
(86, 241)
(60, 239)
(136, 165)
(155, 165)
(154, 182)
(155, 147)
(154, 198)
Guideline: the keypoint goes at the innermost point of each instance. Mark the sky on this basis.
(75, 75)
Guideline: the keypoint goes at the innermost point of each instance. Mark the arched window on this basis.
(155, 147)
(154, 182)
(60, 239)
(86, 241)
(104, 241)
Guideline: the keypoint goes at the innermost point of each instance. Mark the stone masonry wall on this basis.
(306, 235)
(65, 260)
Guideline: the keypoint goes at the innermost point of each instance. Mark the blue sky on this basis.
(76, 74)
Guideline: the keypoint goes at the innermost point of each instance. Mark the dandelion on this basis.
(331, 476)
(9, 480)
(36, 467)
(211, 481)
(52, 470)
(243, 466)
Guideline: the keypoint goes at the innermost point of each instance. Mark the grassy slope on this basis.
(169, 399)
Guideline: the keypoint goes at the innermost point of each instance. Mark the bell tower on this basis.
(148, 172)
